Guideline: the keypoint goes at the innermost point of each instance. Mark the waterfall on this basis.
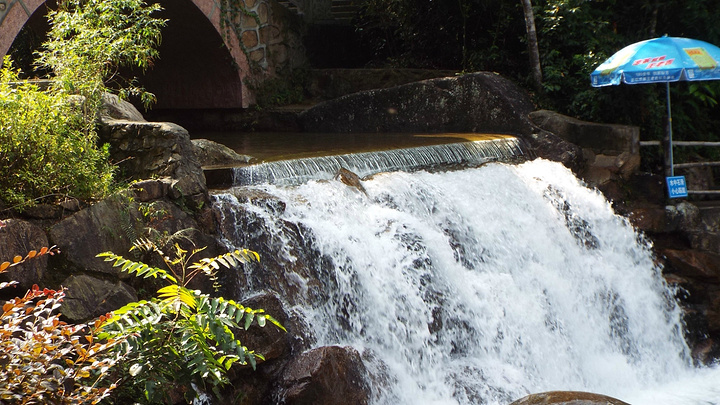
(476, 286)
(297, 171)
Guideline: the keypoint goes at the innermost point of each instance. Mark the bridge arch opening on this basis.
(197, 69)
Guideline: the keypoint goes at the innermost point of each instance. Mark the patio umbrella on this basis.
(660, 60)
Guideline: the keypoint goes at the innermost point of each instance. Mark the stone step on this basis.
(342, 11)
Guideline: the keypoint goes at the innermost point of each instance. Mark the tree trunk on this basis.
(532, 43)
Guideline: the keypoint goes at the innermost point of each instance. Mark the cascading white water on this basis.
(483, 285)
(297, 171)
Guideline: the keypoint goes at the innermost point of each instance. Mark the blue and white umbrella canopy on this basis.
(660, 60)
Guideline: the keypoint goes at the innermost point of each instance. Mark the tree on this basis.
(532, 44)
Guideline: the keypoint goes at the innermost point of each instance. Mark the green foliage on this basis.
(285, 89)
(45, 148)
(43, 360)
(89, 40)
(48, 143)
(181, 337)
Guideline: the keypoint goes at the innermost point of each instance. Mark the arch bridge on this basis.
(202, 65)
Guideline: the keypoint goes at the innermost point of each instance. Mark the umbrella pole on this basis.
(669, 169)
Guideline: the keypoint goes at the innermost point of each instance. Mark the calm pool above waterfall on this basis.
(480, 286)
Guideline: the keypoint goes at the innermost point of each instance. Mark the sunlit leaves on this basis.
(182, 336)
(138, 268)
(45, 360)
(17, 260)
(46, 146)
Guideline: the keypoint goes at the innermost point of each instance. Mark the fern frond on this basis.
(146, 245)
(229, 260)
(141, 269)
(133, 317)
(174, 293)
(233, 314)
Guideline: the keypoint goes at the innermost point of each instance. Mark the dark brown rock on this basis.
(269, 341)
(349, 178)
(568, 398)
(649, 218)
(476, 102)
(695, 264)
(327, 375)
(17, 238)
(89, 297)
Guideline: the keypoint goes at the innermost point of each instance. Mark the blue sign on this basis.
(677, 187)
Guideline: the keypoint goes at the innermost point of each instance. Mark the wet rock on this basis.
(327, 375)
(89, 297)
(695, 264)
(568, 398)
(649, 218)
(211, 153)
(270, 341)
(349, 178)
(298, 273)
(17, 238)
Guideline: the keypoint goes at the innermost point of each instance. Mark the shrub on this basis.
(43, 360)
(182, 338)
(45, 150)
(48, 142)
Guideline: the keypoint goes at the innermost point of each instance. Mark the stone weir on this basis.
(480, 150)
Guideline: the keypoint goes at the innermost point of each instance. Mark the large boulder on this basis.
(113, 225)
(327, 375)
(146, 150)
(568, 398)
(611, 151)
(88, 297)
(477, 102)
(115, 108)
(606, 139)
(17, 238)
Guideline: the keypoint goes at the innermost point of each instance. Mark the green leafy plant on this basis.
(45, 150)
(182, 337)
(90, 40)
(43, 360)
(48, 142)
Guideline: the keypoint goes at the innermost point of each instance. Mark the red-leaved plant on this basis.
(43, 360)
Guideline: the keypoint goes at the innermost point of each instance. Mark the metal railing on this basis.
(669, 165)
